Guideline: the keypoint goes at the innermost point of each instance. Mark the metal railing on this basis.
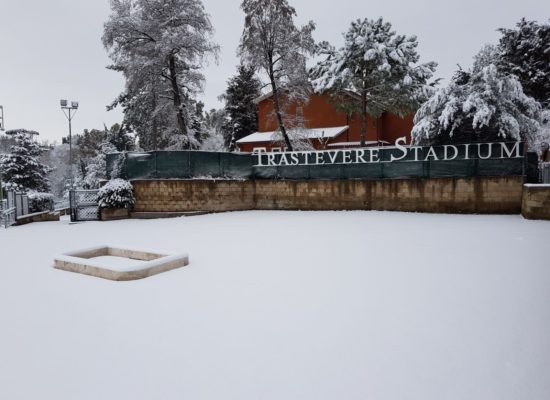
(9, 217)
(61, 204)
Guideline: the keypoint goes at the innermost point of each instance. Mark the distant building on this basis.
(324, 126)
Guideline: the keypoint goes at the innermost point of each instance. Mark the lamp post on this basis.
(1, 183)
(2, 118)
(73, 107)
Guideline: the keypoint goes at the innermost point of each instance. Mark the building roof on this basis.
(267, 95)
(316, 133)
(367, 143)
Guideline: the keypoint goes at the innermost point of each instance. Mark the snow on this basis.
(314, 133)
(283, 305)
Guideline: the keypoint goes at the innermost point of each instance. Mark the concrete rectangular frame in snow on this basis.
(145, 263)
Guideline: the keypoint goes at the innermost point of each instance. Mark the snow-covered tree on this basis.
(240, 108)
(525, 52)
(214, 126)
(483, 105)
(146, 112)
(94, 170)
(22, 168)
(119, 137)
(161, 47)
(274, 45)
(375, 71)
(60, 173)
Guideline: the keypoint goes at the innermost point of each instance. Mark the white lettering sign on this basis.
(398, 153)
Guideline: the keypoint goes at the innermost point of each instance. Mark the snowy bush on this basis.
(39, 201)
(117, 193)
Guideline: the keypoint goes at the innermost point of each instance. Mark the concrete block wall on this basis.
(502, 195)
(536, 202)
(193, 195)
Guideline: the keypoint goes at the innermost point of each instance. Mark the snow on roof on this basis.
(267, 95)
(262, 97)
(315, 133)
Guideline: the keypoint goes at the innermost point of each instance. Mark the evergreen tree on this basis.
(21, 167)
(272, 43)
(483, 105)
(375, 71)
(214, 125)
(95, 169)
(119, 138)
(161, 47)
(146, 113)
(242, 112)
(525, 52)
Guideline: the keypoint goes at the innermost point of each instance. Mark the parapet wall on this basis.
(536, 202)
(492, 195)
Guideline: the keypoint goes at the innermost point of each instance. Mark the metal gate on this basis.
(8, 214)
(84, 205)
(21, 203)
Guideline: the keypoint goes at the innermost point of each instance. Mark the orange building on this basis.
(325, 127)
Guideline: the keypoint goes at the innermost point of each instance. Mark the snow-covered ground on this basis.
(283, 305)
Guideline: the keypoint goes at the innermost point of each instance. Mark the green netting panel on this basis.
(239, 166)
(173, 164)
(494, 167)
(445, 169)
(293, 172)
(140, 165)
(205, 164)
(265, 172)
(199, 164)
(361, 171)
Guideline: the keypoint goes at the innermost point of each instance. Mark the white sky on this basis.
(52, 49)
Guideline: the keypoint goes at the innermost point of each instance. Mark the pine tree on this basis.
(272, 43)
(240, 108)
(119, 138)
(525, 52)
(482, 105)
(21, 167)
(375, 71)
(161, 47)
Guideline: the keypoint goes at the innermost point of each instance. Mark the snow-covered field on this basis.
(283, 305)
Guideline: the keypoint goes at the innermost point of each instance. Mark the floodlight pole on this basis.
(2, 118)
(73, 107)
(1, 183)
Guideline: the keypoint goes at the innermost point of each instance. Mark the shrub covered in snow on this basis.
(39, 201)
(117, 193)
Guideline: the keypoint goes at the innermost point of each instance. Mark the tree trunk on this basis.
(155, 126)
(363, 118)
(178, 103)
(278, 112)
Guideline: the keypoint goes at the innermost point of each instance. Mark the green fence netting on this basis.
(200, 164)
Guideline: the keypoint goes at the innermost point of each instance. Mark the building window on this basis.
(299, 112)
(258, 150)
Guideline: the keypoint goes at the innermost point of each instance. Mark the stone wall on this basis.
(536, 202)
(43, 216)
(501, 195)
